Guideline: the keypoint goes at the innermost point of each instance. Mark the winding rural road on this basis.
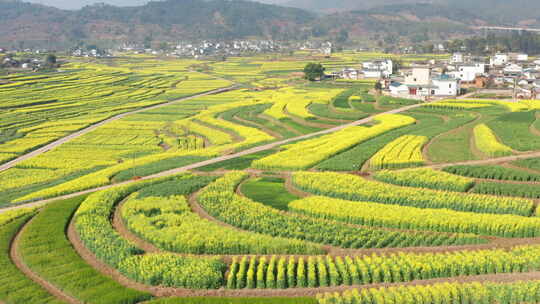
(188, 167)
(91, 128)
(255, 150)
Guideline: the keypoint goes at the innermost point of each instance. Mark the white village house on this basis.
(378, 68)
(421, 83)
(469, 72)
(499, 59)
(445, 85)
(513, 69)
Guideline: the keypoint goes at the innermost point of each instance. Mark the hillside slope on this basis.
(162, 20)
(23, 24)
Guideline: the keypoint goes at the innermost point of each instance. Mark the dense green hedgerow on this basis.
(504, 189)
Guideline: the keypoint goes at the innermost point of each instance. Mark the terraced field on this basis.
(243, 183)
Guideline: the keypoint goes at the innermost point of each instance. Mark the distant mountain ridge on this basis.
(496, 11)
(174, 20)
(159, 20)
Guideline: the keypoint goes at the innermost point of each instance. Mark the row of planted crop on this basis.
(356, 188)
(406, 151)
(486, 141)
(220, 200)
(161, 215)
(494, 172)
(426, 178)
(404, 217)
(442, 293)
(45, 248)
(439, 180)
(98, 235)
(324, 271)
(308, 153)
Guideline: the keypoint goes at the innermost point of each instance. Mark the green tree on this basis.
(50, 60)
(314, 71)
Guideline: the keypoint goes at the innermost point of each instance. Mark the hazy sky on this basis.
(75, 4)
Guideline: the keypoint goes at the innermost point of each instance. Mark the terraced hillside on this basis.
(243, 183)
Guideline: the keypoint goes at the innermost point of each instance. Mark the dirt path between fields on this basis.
(19, 263)
(218, 159)
(120, 227)
(91, 128)
(293, 292)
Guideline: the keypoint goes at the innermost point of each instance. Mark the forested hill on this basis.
(172, 20)
(497, 11)
(160, 20)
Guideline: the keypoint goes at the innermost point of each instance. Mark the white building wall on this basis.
(446, 87)
(469, 73)
(373, 74)
(522, 57)
(500, 59)
(419, 76)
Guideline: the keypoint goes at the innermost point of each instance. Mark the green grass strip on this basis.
(45, 248)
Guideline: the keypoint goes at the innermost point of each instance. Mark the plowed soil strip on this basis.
(18, 261)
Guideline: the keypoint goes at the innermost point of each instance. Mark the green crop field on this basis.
(166, 183)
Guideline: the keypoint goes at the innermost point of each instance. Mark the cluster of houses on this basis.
(208, 48)
(9, 62)
(96, 53)
(230, 48)
(450, 78)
